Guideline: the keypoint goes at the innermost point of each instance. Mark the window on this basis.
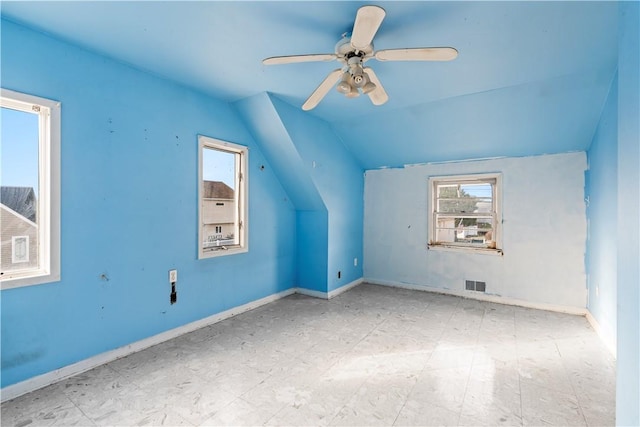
(222, 198)
(30, 190)
(465, 212)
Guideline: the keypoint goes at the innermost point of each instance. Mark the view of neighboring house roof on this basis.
(217, 190)
(21, 200)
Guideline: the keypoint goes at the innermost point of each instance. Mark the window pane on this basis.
(464, 198)
(19, 133)
(220, 201)
(464, 230)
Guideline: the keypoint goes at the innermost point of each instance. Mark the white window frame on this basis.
(241, 196)
(49, 189)
(434, 181)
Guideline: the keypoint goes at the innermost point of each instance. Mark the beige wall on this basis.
(218, 213)
(214, 213)
(14, 224)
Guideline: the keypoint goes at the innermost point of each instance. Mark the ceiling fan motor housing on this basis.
(345, 50)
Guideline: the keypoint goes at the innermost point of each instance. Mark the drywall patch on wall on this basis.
(544, 230)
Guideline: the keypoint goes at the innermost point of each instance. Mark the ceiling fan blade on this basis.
(322, 89)
(417, 54)
(299, 58)
(368, 20)
(378, 96)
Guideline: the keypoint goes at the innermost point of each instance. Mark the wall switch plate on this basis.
(355, 262)
(173, 276)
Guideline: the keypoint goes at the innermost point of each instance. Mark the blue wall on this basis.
(129, 211)
(326, 184)
(602, 214)
(628, 274)
(313, 248)
(340, 181)
(266, 125)
(614, 215)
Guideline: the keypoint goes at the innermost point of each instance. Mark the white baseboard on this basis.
(40, 381)
(311, 293)
(609, 342)
(329, 295)
(23, 387)
(18, 389)
(345, 288)
(482, 297)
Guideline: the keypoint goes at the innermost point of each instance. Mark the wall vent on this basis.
(473, 285)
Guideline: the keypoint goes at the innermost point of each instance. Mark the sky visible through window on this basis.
(19, 160)
(478, 190)
(218, 166)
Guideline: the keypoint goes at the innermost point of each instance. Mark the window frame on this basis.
(434, 181)
(241, 196)
(49, 117)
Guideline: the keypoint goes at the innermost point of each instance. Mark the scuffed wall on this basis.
(129, 211)
(544, 230)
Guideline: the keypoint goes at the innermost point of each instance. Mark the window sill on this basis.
(223, 252)
(452, 248)
(30, 280)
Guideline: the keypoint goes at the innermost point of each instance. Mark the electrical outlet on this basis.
(355, 262)
(339, 274)
(173, 276)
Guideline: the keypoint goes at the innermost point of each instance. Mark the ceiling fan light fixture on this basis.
(359, 80)
(369, 87)
(344, 87)
(353, 93)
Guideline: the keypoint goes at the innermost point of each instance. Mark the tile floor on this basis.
(371, 356)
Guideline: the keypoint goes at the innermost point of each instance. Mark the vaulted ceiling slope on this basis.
(530, 78)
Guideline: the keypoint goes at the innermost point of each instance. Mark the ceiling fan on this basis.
(352, 51)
